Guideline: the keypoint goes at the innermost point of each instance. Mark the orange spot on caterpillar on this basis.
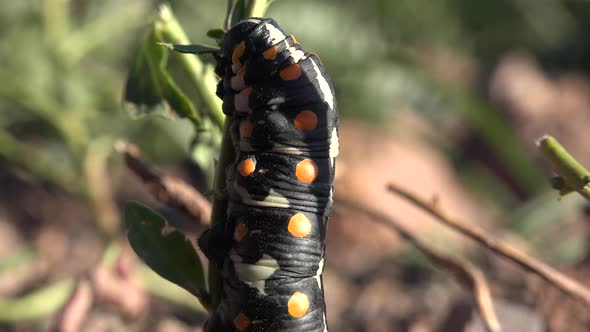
(298, 305)
(247, 167)
(241, 322)
(246, 128)
(306, 120)
(306, 171)
(240, 232)
(291, 72)
(299, 225)
(294, 39)
(271, 53)
(238, 52)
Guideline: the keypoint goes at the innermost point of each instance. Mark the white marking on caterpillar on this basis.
(276, 101)
(237, 83)
(275, 34)
(319, 273)
(241, 102)
(324, 86)
(296, 54)
(280, 148)
(255, 274)
(334, 145)
(273, 199)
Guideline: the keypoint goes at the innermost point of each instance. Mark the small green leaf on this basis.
(192, 48)
(150, 89)
(216, 34)
(163, 248)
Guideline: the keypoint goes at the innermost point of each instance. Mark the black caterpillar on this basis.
(280, 187)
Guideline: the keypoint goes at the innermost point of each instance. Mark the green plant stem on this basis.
(574, 175)
(219, 211)
(201, 74)
(257, 8)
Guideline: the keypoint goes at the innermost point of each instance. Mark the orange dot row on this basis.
(269, 54)
(305, 171)
(299, 226)
(297, 306)
(305, 120)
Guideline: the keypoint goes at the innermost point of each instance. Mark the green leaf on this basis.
(163, 248)
(164, 289)
(238, 12)
(150, 89)
(216, 34)
(39, 303)
(192, 48)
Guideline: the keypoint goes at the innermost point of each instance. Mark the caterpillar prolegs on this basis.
(285, 135)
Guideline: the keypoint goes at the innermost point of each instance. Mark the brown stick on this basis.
(167, 189)
(566, 284)
(466, 274)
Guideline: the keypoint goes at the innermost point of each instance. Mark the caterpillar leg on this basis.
(215, 243)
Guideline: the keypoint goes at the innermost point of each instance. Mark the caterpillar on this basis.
(285, 134)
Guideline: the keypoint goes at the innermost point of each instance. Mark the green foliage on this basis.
(166, 250)
(150, 89)
(63, 65)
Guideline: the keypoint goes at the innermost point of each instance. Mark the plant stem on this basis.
(219, 212)
(574, 175)
(257, 8)
(201, 74)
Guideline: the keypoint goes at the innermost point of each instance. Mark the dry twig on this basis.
(167, 189)
(467, 274)
(551, 275)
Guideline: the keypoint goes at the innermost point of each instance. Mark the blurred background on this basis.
(445, 98)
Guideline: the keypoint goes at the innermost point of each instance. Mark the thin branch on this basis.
(466, 274)
(167, 189)
(551, 275)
